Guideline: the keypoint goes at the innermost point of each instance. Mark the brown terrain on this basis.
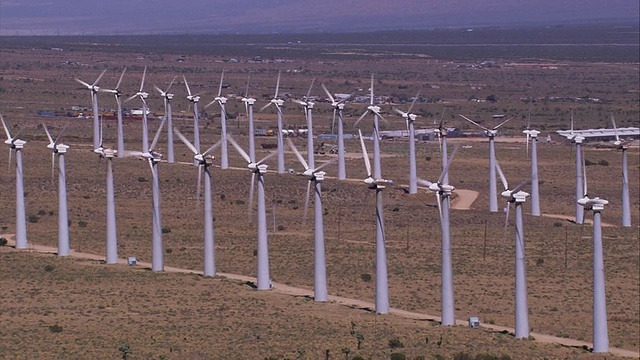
(101, 309)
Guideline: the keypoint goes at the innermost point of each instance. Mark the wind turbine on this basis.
(94, 103)
(258, 169)
(600, 330)
(376, 136)
(143, 97)
(443, 195)
(118, 94)
(21, 219)
(626, 204)
(316, 175)
(63, 215)
(375, 182)
(112, 237)
(168, 114)
(307, 107)
(248, 105)
(153, 157)
(535, 193)
(338, 106)
(493, 197)
(277, 102)
(518, 197)
(195, 99)
(221, 100)
(205, 161)
(410, 118)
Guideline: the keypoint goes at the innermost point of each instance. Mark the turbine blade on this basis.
(6, 130)
(264, 159)
(584, 174)
(413, 102)
(185, 141)
(615, 129)
(501, 174)
(53, 165)
(220, 86)
(213, 147)
(131, 153)
(264, 107)
(120, 80)
(367, 163)
(277, 86)
(528, 137)
(239, 149)
(99, 77)
(333, 120)
(246, 90)
(144, 75)
(251, 190)
(159, 90)
(157, 136)
(520, 186)
(445, 171)
(306, 201)
(199, 186)
(506, 224)
(355, 124)
(473, 122)
(48, 135)
(328, 93)
(400, 112)
(424, 182)
(83, 83)
(439, 200)
(371, 88)
(325, 164)
(502, 123)
(298, 155)
(186, 84)
(310, 87)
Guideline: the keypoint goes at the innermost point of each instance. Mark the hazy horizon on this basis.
(118, 17)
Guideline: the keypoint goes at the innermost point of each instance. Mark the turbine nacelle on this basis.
(532, 133)
(220, 99)
(193, 98)
(249, 101)
(18, 144)
(203, 159)
(595, 204)
(61, 148)
(578, 139)
(109, 153)
(518, 197)
(377, 183)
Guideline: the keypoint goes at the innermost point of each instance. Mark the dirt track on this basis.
(353, 303)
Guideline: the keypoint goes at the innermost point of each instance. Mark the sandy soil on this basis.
(353, 303)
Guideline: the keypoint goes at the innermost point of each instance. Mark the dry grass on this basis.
(559, 296)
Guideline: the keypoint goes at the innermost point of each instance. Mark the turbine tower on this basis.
(21, 218)
(63, 215)
(626, 203)
(118, 95)
(277, 102)
(535, 193)
(205, 161)
(248, 106)
(518, 197)
(443, 195)
(221, 100)
(258, 169)
(376, 182)
(600, 329)
(112, 237)
(338, 107)
(94, 103)
(493, 196)
(410, 118)
(153, 158)
(168, 114)
(316, 176)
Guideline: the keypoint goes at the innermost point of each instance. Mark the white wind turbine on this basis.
(21, 219)
(376, 182)
(168, 114)
(248, 106)
(205, 161)
(277, 102)
(194, 99)
(443, 191)
(535, 193)
(316, 175)
(600, 330)
(63, 215)
(258, 169)
(307, 106)
(143, 97)
(493, 197)
(410, 118)
(626, 203)
(94, 103)
(518, 197)
(118, 95)
(338, 107)
(375, 110)
(221, 100)
(153, 157)
(112, 237)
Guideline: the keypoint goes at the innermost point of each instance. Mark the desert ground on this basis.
(175, 315)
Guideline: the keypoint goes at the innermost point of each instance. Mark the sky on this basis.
(124, 17)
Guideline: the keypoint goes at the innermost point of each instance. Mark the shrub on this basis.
(395, 343)
(82, 223)
(48, 268)
(168, 251)
(603, 162)
(365, 277)
(142, 179)
(42, 212)
(55, 328)
(33, 218)
(223, 196)
(166, 229)
(125, 350)
(281, 228)
(239, 202)
(540, 261)
(398, 356)
(3, 241)
(462, 356)
(557, 224)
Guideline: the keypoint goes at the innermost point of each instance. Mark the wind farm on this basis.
(391, 256)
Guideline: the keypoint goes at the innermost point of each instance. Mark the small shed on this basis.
(474, 322)
(132, 261)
